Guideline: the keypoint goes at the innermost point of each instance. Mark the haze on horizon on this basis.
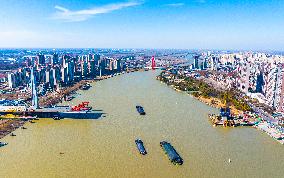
(182, 24)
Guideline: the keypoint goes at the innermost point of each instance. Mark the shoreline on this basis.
(7, 126)
(216, 103)
(211, 101)
(270, 130)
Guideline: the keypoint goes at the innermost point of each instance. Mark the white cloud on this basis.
(84, 14)
(175, 4)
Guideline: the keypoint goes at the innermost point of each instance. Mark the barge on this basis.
(140, 110)
(140, 146)
(172, 154)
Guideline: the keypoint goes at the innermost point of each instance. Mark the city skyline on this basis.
(191, 24)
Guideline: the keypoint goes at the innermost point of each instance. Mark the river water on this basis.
(105, 147)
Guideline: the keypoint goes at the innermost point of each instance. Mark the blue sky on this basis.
(186, 24)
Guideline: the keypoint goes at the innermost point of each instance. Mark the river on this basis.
(105, 147)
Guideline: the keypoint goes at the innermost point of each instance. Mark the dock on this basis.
(230, 121)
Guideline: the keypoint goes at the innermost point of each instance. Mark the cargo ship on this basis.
(171, 153)
(140, 146)
(140, 110)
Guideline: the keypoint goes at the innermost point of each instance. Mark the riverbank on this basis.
(196, 85)
(209, 100)
(7, 126)
(56, 97)
(274, 131)
(217, 103)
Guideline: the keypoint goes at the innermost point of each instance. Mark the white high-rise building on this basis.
(274, 89)
(11, 80)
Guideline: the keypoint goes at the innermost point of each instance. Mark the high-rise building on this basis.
(97, 58)
(92, 68)
(118, 64)
(205, 65)
(102, 66)
(28, 61)
(84, 68)
(11, 80)
(196, 62)
(214, 62)
(70, 70)
(40, 75)
(47, 76)
(259, 83)
(52, 81)
(246, 80)
(111, 65)
(57, 74)
(55, 59)
(274, 90)
(34, 91)
(41, 59)
(64, 75)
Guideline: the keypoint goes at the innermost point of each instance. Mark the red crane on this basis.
(82, 107)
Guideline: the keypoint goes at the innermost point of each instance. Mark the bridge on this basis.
(153, 64)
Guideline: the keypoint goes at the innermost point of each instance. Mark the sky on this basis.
(179, 24)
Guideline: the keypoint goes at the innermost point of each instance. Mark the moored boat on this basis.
(3, 144)
(86, 86)
(69, 98)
